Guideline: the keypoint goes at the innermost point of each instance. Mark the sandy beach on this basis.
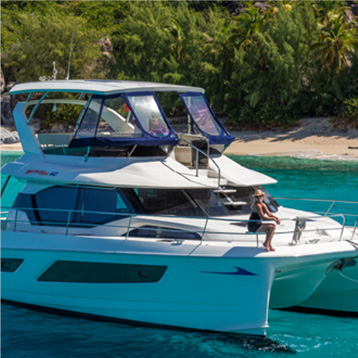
(313, 138)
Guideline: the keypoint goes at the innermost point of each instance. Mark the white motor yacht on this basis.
(124, 216)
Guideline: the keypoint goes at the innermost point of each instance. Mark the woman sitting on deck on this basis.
(261, 212)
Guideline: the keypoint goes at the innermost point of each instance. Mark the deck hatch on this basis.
(10, 265)
(94, 272)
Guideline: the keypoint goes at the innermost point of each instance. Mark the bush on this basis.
(349, 112)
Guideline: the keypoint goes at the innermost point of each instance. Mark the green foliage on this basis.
(261, 67)
(40, 40)
(349, 112)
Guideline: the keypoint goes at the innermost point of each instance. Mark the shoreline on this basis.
(313, 147)
(313, 138)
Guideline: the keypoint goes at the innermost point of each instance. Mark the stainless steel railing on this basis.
(332, 203)
(197, 158)
(123, 224)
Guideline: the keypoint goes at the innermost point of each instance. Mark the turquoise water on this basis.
(28, 334)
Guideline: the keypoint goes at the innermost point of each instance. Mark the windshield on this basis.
(147, 111)
(110, 117)
(201, 114)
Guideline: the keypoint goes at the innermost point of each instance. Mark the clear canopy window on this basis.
(123, 117)
(115, 121)
(201, 114)
(147, 111)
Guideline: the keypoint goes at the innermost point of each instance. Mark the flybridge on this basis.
(117, 114)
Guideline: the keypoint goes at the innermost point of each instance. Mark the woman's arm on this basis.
(269, 214)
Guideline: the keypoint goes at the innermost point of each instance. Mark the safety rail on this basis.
(332, 202)
(197, 158)
(147, 225)
(355, 228)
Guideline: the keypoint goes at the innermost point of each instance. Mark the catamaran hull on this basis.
(179, 284)
(198, 293)
(337, 294)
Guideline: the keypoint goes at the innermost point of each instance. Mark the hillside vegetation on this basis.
(262, 64)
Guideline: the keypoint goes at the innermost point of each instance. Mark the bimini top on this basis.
(122, 113)
(100, 87)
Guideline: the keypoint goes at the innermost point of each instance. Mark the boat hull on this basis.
(188, 284)
(193, 293)
(336, 295)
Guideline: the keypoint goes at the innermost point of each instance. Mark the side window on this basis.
(53, 204)
(98, 206)
(163, 233)
(209, 201)
(168, 202)
(272, 204)
(95, 206)
(89, 207)
(88, 125)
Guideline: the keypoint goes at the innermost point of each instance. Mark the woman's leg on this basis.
(270, 230)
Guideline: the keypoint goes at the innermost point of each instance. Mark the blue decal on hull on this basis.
(239, 271)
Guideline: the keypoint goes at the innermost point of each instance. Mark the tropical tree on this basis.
(38, 41)
(337, 42)
(267, 83)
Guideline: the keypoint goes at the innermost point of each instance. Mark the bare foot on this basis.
(272, 249)
(267, 248)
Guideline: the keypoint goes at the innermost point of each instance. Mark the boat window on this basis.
(176, 113)
(55, 114)
(88, 124)
(239, 202)
(117, 120)
(123, 121)
(102, 272)
(163, 233)
(201, 114)
(168, 202)
(271, 203)
(10, 187)
(149, 115)
(52, 205)
(58, 205)
(209, 201)
(98, 206)
(108, 118)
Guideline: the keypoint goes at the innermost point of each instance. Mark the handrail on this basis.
(199, 228)
(197, 159)
(355, 228)
(324, 201)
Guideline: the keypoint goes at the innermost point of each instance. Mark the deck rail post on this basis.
(204, 229)
(16, 211)
(68, 222)
(129, 226)
(355, 228)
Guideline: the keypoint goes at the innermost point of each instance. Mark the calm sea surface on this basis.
(28, 334)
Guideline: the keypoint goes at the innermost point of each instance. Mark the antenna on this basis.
(54, 71)
(69, 60)
(54, 74)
